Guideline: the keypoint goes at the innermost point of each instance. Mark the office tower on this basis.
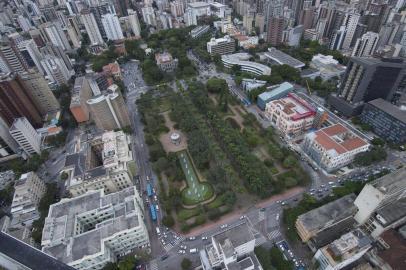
(350, 23)
(177, 8)
(224, 45)
(40, 92)
(108, 110)
(111, 225)
(80, 94)
(56, 70)
(260, 22)
(12, 57)
(134, 22)
(56, 35)
(275, 29)
(367, 79)
(365, 46)
(98, 9)
(16, 101)
(26, 136)
(336, 42)
(91, 28)
(148, 15)
(112, 27)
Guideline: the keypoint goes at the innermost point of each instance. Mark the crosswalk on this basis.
(274, 235)
(169, 246)
(153, 265)
(261, 215)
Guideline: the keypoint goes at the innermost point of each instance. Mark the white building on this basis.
(148, 15)
(89, 231)
(56, 35)
(177, 8)
(29, 190)
(195, 10)
(104, 162)
(134, 22)
(333, 147)
(242, 60)
(349, 248)
(381, 204)
(276, 56)
(6, 177)
(217, 9)
(350, 23)
(328, 66)
(112, 27)
(91, 28)
(291, 115)
(230, 249)
(366, 45)
(56, 69)
(26, 136)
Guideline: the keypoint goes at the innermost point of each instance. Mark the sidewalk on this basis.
(237, 213)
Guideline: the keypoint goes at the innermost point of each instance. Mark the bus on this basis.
(153, 212)
(149, 190)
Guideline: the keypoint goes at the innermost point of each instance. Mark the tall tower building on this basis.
(56, 70)
(56, 35)
(366, 79)
(134, 22)
(40, 92)
(112, 27)
(11, 57)
(350, 23)
(26, 136)
(148, 14)
(108, 110)
(275, 30)
(177, 8)
(91, 28)
(366, 45)
(16, 101)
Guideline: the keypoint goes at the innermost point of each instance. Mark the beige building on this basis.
(81, 93)
(104, 162)
(109, 110)
(166, 62)
(29, 190)
(291, 115)
(91, 230)
(40, 92)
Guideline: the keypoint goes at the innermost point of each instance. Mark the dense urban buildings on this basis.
(80, 95)
(333, 147)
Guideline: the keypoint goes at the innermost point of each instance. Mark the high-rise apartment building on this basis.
(56, 70)
(40, 92)
(177, 8)
(26, 136)
(91, 230)
(92, 28)
(134, 22)
(112, 27)
(275, 30)
(16, 101)
(148, 15)
(12, 60)
(80, 94)
(55, 35)
(366, 45)
(367, 79)
(350, 23)
(108, 110)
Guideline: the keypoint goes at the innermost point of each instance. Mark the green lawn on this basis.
(196, 191)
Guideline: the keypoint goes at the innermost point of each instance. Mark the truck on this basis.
(152, 212)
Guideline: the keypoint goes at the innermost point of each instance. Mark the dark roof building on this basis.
(15, 254)
(387, 120)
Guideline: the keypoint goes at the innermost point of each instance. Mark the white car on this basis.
(223, 226)
(204, 237)
(242, 217)
(181, 251)
(192, 238)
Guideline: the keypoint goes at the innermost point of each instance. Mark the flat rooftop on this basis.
(283, 58)
(234, 237)
(295, 107)
(390, 109)
(393, 211)
(392, 182)
(330, 213)
(395, 254)
(339, 139)
(280, 89)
